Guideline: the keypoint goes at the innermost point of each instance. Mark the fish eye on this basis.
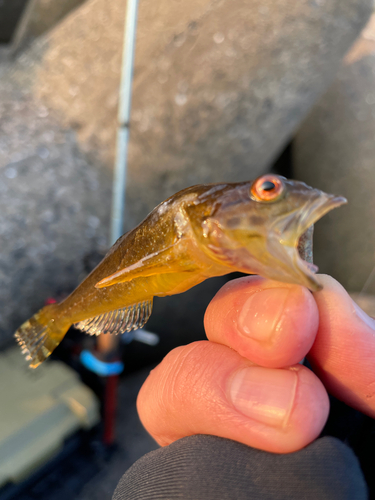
(269, 187)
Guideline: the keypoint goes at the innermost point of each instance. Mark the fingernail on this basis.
(364, 317)
(262, 312)
(264, 394)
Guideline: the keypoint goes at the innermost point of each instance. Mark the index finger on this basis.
(343, 355)
(270, 323)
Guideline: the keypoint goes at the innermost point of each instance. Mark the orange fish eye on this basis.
(269, 187)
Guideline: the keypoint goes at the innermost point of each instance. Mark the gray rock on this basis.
(335, 150)
(54, 208)
(219, 86)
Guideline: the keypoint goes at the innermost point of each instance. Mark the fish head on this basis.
(256, 226)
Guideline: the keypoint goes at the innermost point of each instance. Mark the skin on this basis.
(257, 331)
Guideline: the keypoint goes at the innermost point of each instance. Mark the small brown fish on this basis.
(200, 232)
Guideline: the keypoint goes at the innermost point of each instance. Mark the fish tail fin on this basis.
(40, 334)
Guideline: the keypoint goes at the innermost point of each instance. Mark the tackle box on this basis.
(39, 410)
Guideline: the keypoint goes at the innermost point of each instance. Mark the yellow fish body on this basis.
(200, 232)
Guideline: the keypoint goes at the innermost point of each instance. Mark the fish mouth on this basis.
(316, 209)
(302, 271)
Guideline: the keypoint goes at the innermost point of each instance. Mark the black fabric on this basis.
(211, 468)
(358, 432)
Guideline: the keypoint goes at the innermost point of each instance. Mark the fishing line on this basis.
(367, 283)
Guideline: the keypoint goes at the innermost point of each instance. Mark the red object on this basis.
(110, 404)
(50, 301)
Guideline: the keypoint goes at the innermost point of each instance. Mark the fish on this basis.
(200, 232)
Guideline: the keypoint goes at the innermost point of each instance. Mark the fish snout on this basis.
(316, 208)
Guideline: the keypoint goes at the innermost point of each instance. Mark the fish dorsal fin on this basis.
(118, 321)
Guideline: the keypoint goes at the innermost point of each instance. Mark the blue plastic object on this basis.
(102, 368)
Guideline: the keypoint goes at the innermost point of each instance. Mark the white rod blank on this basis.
(119, 177)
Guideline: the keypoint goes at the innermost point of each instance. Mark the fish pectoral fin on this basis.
(118, 321)
(166, 261)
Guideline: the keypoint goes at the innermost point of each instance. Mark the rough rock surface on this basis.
(335, 150)
(219, 85)
(54, 207)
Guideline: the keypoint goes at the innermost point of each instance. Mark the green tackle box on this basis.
(39, 409)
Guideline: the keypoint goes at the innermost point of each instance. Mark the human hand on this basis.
(245, 383)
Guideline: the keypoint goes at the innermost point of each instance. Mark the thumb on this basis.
(208, 388)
